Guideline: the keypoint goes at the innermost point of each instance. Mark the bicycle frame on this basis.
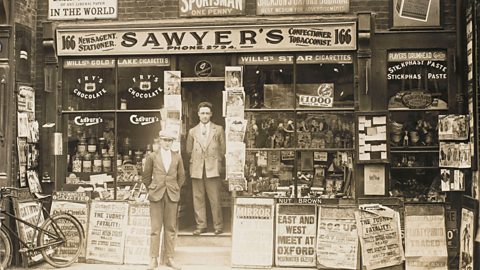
(58, 236)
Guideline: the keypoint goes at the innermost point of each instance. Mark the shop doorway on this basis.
(195, 93)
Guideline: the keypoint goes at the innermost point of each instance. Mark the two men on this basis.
(206, 149)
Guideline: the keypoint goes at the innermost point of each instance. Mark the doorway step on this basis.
(205, 249)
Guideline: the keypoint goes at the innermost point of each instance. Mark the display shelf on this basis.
(302, 149)
(415, 168)
(413, 149)
(416, 110)
(203, 79)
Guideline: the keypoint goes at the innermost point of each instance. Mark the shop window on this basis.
(89, 84)
(300, 134)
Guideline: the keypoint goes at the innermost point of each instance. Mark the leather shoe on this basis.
(153, 264)
(218, 231)
(172, 264)
(199, 231)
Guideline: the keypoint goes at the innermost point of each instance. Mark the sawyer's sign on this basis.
(232, 38)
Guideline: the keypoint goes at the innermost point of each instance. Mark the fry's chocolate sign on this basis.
(213, 39)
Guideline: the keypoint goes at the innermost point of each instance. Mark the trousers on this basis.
(163, 213)
(207, 187)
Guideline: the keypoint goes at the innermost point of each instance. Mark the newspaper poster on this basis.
(374, 223)
(106, 231)
(235, 129)
(22, 122)
(233, 77)
(234, 102)
(26, 99)
(455, 155)
(453, 127)
(137, 237)
(337, 239)
(253, 221)
(173, 102)
(172, 82)
(296, 226)
(452, 180)
(467, 234)
(79, 210)
(236, 181)
(425, 238)
(235, 158)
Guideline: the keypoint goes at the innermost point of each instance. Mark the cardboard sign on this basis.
(296, 227)
(253, 225)
(137, 238)
(106, 231)
(29, 211)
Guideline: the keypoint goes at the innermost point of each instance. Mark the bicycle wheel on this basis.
(63, 237)
(5, 249)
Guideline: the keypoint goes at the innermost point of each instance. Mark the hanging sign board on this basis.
(137, 238)
(275, 7)
(211, 39)
(296, 227)
(380, 236)
(106, 231)
(77, 209)
(253, 225)
(192, 8)
(82, 9)
(425, 237)
(337, 239)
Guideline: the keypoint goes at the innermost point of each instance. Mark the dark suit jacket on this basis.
(158, 181)
(209, 154)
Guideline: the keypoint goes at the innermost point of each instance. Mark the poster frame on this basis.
(437, 23)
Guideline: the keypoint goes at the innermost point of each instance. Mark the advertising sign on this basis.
(296, 227)
(467, 234)
(212, 39)
(137, 238)
(275, 7)
(253, 225)
(82, 9)
(425, 237)
(337, 239)
(106, 231)
(192, 8)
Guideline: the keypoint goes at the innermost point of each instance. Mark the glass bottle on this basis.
(82, 146)
(77, 163)
(97, 163)
(107, 163)
(92, 145)
(103, 146)
(87, 163)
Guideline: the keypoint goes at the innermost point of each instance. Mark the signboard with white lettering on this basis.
(192, 8)
(106, 231)
(253, 225)
(275, 7)
(212, 39)
(29, 211)
(296, 227)
(82, 9)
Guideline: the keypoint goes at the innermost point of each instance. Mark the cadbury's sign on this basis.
(233, 38)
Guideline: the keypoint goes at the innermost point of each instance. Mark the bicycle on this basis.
(59, 237)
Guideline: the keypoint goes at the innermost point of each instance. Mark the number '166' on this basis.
(343, 36)
(68, 42)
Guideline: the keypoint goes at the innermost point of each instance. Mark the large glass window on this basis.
(300, 133)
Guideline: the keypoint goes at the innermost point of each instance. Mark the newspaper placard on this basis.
(267, 7)
(233, 77)
(172, 82)
(137, 238)
(106, 231)
(236, 182)
(235, 129)
(380, 236)
(253, 224)
(453, 127)
(337, 239)
(425, 237)
(455, 155)
(29, 211)
(467, 234)
(235, 157)
(78, 210)
(296, 227)
(234, 102)
(82, 9)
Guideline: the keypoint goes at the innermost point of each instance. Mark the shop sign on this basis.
(144, 62)
(141, 120)
(275, 7)
(324, 97)
(253, 221)
(301, 59)
(203, 68)
(89, 63)
(87, 121)
(145, 86)
(211, 8)
(213, 39)
(296, 227)
(82, 9)
(89, 87)
(416, 99)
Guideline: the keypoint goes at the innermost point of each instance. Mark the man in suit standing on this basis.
(164, 176)
(206, 148)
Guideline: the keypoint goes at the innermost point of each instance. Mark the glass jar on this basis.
(92, 145)
(82, 146)
(77, 163)
(97, 163)
(87, 163)
(107, 163)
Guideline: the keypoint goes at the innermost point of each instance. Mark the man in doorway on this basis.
(164, 176)
(206, 148)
